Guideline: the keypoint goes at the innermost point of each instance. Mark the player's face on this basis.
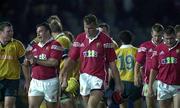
(178, 35)
(41, 33)
(7, 34)
(157, 36)
(169, 39)
(90, 29)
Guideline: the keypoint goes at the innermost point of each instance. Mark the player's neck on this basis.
(46, 39)
(2, 42)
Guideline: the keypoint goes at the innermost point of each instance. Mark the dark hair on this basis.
(88, 19)
(105, 25)
(46, 25)
(169, 30)
(4, 24)
(157, 27)
(125, 36)
(177, 28)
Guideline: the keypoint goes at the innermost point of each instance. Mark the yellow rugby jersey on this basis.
(63, 40)
(66, 43)
(9, 64)
(125, 62)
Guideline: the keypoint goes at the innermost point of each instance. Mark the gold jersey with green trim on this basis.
(9, 59)
(63, 40)
(125, 62)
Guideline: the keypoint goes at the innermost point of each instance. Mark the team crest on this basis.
(177, 51)
(162, 52)
(150, 50)
(98, 44)
(47, 48)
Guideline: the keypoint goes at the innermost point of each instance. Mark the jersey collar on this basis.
(91, 40)
(40, 44)
(126, 46)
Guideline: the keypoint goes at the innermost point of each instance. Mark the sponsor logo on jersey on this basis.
(42, 57)
(90, 53)
(169, 60)
(56, 47)
(76, 44)
(142, 49)
(108, 45)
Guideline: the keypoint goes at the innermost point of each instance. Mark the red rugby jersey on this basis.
(93, 55)
(52, 49)
(167, 62)
(143, 57)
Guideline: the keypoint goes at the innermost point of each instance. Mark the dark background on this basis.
(135, 15)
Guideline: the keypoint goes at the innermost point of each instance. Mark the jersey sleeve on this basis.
(141, 54)
(20, 49)
(56, 50)
(64, 41)
(109, 50)
(74, 52)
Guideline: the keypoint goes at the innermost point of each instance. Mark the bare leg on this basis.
(176, 100)
(85, 101)
(94, 99)
(138, 103)
(151, 102)
(10, 102)
(165, 103)
(35, 101)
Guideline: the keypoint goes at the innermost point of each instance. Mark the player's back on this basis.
(125, 62)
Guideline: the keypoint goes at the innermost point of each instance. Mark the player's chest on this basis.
(169, 57)
(42, 53)
(93, 49)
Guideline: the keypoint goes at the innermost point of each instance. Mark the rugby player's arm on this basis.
(68, 66)
(51, 62)
(26, 70)
(152, 78)
(137, 74)
(116, 76)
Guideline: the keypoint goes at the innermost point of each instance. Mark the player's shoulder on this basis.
(15, 41)
(133, 47)
(81, 36)
(62, 37)
(105, 36)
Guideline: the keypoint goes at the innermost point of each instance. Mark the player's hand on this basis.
(28, 55)
(137, 81)
(63, 81)
(150, 91)
(119, 87)
(26, 85)
(60, 78)
(64, 84)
